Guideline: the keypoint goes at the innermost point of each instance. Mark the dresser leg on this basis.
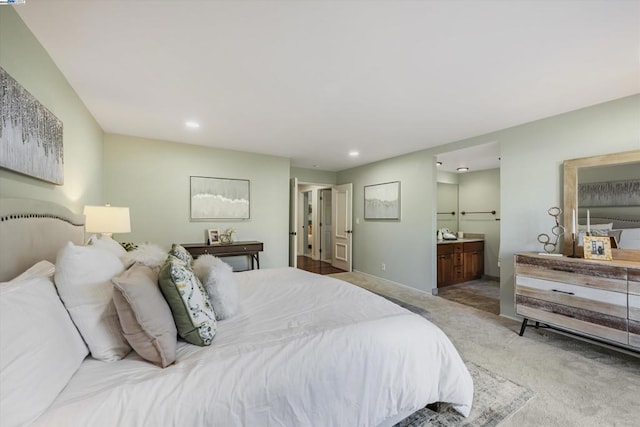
(524, 325)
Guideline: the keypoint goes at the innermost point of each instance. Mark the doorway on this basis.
(320, 232)
(468, 206)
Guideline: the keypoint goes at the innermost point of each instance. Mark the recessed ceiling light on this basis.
(463, 169)
(354, 153)
(192, 125)
(438, 163)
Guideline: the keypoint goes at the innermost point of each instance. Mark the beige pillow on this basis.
(145, 316)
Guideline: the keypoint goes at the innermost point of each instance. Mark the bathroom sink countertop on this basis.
(465, 240)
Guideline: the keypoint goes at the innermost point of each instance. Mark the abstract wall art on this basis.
(219, 198)
(382, 201)
(611, 193)
(30, 135)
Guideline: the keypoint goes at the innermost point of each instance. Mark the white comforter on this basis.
(304, 350)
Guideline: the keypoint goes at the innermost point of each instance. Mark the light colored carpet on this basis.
(576, 383)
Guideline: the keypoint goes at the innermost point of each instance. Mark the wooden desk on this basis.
(250, 249)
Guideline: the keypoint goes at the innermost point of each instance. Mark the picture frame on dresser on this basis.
(597, 247)
(213, 236)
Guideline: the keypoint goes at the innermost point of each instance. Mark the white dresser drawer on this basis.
(598, 300)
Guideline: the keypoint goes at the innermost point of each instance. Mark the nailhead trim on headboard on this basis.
(25, 216)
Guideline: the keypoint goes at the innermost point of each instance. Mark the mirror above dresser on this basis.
(620, 173)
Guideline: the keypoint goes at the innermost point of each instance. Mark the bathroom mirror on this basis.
(623, 214)
(448, 206)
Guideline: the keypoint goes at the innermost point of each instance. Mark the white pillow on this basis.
(630, 238)
(40, 348)
(607, 226)
(108, 244)
(153, 256)
(220, 283)
(40, 269)
(83, 278)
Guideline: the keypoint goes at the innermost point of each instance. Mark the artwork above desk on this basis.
(250, 249)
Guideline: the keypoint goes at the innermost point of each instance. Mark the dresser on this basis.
(250, 249)
(459, 261)
(595, 299)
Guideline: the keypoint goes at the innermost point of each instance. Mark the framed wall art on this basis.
(30, 135)
(609, 194)
(597, 247)
(382, 201)
(219, 198)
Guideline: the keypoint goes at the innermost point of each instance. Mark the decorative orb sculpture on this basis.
(557, 230)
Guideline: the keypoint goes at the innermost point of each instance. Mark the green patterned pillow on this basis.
(192, 312)
(181, 253)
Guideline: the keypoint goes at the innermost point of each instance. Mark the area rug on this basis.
(494, 398)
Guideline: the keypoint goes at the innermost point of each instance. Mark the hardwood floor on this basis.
(320, 267)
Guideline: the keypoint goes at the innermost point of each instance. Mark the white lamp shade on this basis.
(107, 219)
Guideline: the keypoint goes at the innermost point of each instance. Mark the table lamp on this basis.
(107, 220)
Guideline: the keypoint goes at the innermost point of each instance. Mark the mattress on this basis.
(303, 350)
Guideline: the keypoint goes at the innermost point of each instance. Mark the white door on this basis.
(325, 224)
(341, 199)
(293, 222)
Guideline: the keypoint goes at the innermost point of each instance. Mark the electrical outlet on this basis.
(383, 267)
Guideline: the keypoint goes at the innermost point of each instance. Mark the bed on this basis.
(623, 229)
(303, 349)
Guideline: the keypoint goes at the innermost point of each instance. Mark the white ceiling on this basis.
(312, 80)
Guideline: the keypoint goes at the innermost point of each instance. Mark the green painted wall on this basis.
(151, 177)
(22, 56)
(313, 176)
(406, 247)
(530, 183)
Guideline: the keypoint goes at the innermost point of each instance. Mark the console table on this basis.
(250, 249)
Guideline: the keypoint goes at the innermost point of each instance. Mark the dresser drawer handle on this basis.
(566, 270)
(562, 292)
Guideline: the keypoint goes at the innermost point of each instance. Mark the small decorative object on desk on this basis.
(597, 247)
(557, 230)
(226, 238)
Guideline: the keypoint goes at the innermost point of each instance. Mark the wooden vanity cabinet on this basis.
(473, 260)
(460, 262)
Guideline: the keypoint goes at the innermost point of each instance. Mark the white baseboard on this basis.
(400, 285)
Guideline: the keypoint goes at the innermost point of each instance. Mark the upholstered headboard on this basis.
(34, 230)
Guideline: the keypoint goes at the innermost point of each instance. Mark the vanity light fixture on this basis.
(438, 163)
(463, 169)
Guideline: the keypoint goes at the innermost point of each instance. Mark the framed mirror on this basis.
(612, 199)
